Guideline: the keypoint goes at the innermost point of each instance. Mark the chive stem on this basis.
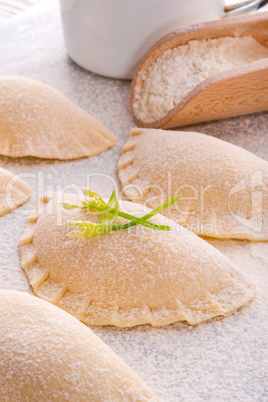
(105, 209)
(153, 212)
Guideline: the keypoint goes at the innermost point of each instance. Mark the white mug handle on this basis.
(244, 7)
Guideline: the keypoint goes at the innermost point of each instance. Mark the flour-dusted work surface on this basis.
(221, 360)
(11, 8)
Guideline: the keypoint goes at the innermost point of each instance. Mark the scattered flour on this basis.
(221, 360)
(178, 71)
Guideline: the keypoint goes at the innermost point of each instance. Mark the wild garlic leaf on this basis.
(112, 210)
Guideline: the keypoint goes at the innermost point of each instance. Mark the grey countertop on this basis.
(222, 360)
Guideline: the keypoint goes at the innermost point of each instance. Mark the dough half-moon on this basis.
(13, 191)
(224, 187)
(132, 276)
(37, 120)
(48, 355)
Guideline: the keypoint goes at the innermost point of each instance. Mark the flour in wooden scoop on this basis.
(178, 71)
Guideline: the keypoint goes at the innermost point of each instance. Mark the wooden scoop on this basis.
(232, 92)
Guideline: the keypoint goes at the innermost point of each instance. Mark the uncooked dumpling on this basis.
(224, 187)
(13, 191)
(37, 120)
(129, 277)
(48, 355)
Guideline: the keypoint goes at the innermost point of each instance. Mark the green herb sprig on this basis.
(108, 213)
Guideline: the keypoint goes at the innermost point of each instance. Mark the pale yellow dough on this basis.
(37, 120)
(13, 191)
(129, 277)
(48, 355)
(224, 187)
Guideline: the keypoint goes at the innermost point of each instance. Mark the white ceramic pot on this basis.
(109, 37)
